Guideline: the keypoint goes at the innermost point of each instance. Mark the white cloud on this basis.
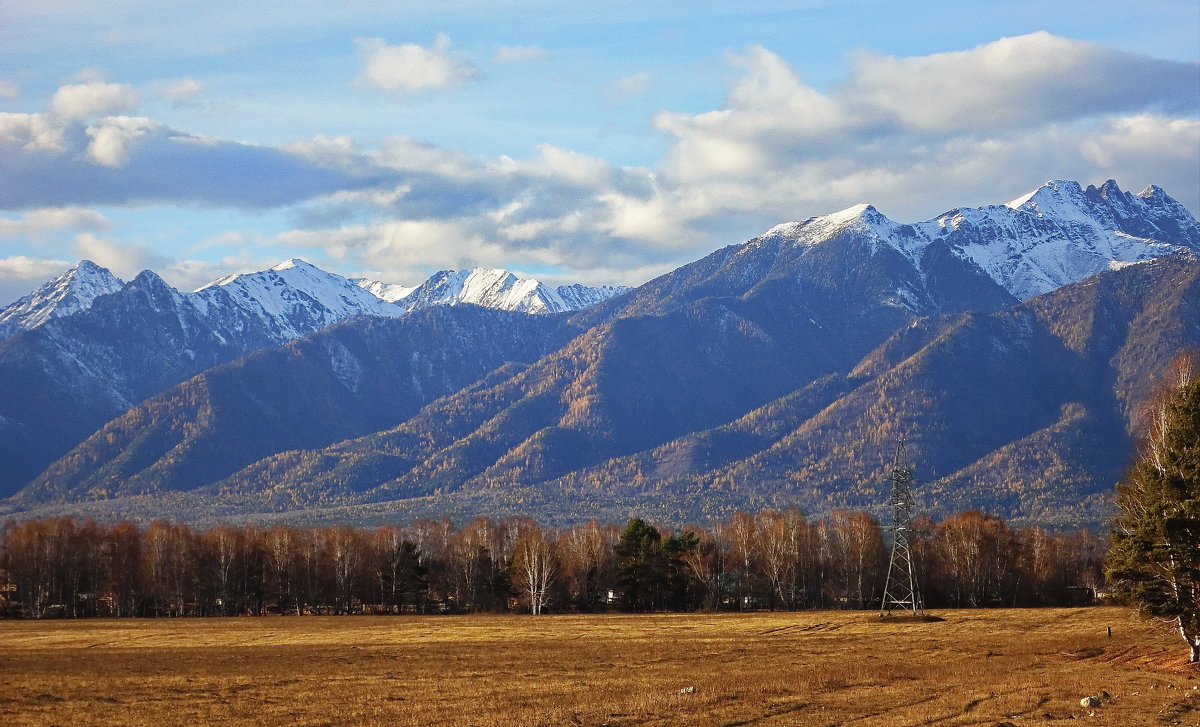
(1143, 139)
(1016, 81)
(402, 153)
(914, 135)
(774, 149)
(114, 137)
(772, 119)
(20, 274)
(411, 68)
(182, 91)
(125, 260)
(28, 268)
(192, 274)
(519, 53)
(9, 89)
(77, 101)
(36, 223)
(30, 132)
(565, 166)
(651, 219)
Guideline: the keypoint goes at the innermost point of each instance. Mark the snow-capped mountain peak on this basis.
(1052, 196)
(503, 290)
(68, 293)
(390, 292)
(294, 297)
(295, 262)
(490, 288)
(1062, 232)
(495, 288)
(860, 217)
(1056, 234)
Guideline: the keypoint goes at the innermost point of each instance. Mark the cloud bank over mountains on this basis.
(910, 134)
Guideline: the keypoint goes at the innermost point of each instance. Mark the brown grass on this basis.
(1027, 667)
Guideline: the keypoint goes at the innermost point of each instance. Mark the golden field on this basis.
(985, 667)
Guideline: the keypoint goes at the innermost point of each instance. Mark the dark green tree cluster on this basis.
(651, 574)
(1155, 558)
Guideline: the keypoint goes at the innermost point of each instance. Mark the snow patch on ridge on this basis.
(390, 292)
(1057, 234)
(502, 290)
(72, 291)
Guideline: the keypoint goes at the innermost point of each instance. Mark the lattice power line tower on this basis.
(900, 591)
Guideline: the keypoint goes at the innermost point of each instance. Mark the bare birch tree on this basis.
(535, 567)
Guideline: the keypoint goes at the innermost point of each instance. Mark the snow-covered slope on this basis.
(391, 292)
(493, 288)
(1060, 233)
(70, 292)
(294, 298)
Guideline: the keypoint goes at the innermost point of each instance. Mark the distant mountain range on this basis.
(1012, 345)
(86, 347)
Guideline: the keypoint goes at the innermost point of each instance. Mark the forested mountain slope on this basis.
(349, 379)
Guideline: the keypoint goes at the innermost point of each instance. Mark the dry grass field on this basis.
(1024, 667)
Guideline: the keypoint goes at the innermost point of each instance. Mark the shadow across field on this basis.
(1023, 667)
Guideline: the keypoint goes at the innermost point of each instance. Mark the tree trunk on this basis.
(1192, 637)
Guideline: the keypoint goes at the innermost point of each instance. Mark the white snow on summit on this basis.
(72, 291)
(297, 297)
(1057, 234)
(502, 290)
(391, 292)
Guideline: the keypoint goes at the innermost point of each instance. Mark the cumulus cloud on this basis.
(81, 100)
(28, 268)
(124, 259)
(411, 68)
(1013, 82)
(191, 274)
(519, 53)
(20, 274)
(36, 223)
(113, 137)
(908, 131)
(30, 132)
(907, 134)
(129, 161)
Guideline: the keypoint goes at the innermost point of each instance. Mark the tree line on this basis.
(773, 559)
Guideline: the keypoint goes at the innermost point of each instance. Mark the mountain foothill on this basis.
(1012, 346)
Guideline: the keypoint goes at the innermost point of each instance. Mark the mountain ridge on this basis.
(819, 326)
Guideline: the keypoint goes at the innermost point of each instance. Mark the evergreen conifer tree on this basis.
(641, 566)
(1155, 556)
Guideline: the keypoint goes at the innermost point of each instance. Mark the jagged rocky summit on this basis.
(296, 297)
(72, 291)
(1059, 233)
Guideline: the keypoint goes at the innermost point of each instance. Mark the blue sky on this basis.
(606, 144)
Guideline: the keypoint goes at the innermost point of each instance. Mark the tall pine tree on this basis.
(1155, 557)
(641, 567)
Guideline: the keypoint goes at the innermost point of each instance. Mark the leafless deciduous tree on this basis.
(535, 566)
